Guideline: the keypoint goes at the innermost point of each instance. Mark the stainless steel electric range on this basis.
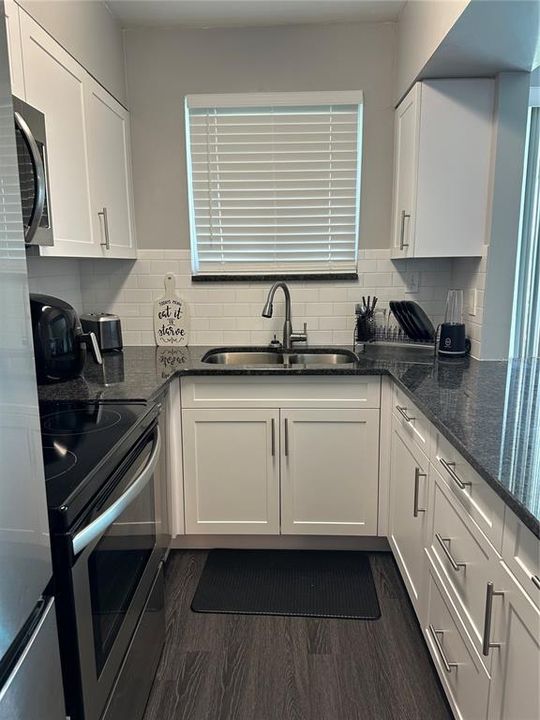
(101, 462)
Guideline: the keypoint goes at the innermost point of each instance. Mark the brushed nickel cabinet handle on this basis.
(103, 213)
(449, 467)
(417, 476)
(402, 243)
(446, 550)
(486, 643)
(273, 437)
(448, 666)
(536, 580)
(403, 412)
(286, 437)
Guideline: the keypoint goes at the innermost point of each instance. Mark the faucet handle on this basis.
(300, 337)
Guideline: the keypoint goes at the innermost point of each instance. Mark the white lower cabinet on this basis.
(409, 517)
(463, 557)
(515, 663)
(327, 461)
(329, 472)
(231, 471)
(464, 677)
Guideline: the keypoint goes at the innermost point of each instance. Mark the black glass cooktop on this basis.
(82, 445)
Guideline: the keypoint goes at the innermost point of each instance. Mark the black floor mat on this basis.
(310, 583)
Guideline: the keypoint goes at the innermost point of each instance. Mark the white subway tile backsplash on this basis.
(231, 312)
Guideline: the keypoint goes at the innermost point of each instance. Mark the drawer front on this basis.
(483, 505)
(521, 553)
(279, 392)
(463, 676)
(413, 424)
(463, 557)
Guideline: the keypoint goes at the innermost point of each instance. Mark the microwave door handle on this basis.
(98, 526)
(39, 200)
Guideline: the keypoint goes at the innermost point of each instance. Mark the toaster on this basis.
(107, 329)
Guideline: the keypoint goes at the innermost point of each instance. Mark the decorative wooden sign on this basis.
(171, 317)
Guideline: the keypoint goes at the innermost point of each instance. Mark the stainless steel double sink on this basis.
(280, 358)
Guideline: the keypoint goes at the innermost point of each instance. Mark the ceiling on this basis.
(250, 13)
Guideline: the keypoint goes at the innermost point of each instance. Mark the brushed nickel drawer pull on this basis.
(286, 437)
(103, 213)
(536, 580)
(449, 467)
(486, 643)
(403, 412)
(402, 243)
(448, 666)
(417, 476)
(442, 542)
(273, 437)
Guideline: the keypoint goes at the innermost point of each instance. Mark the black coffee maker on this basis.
(452, 339)
(60, 345)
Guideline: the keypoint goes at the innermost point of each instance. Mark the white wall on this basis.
(87, 30)
(422, 26)
(59, 277)
(163, 65)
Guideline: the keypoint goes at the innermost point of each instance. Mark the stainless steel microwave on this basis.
(33, 173)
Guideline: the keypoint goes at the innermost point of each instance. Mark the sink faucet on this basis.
(288, 335)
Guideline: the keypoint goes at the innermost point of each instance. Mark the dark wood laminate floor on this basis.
(240, 667)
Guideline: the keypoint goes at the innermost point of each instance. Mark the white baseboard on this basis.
(278, 542)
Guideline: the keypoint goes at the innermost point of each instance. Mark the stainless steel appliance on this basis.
(101, 469)
(107, 329)
(452, 339)
(30, 675)
(59, 340)
(33, 173)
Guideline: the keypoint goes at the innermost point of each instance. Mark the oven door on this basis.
(117, 557)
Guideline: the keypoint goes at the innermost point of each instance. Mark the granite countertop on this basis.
(489, 411)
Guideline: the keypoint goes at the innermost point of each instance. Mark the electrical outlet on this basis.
(413, 282)
(473, 301)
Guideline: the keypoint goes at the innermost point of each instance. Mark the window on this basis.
(274, 183)
(525, 339)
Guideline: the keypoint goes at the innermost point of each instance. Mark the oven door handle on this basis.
(39, 169)
(98, 526)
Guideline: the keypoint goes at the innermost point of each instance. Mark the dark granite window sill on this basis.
(305, 277)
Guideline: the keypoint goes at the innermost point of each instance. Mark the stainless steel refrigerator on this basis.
(30, 673)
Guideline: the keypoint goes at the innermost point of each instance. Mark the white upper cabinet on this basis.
(55, 85)
(329, 472)
(88, 146)
(443, 131)
(11, 11)
(109, 163)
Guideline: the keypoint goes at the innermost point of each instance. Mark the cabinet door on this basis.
(231, 471)
(11, 12)
(329, 472)
(405, 171)
(408, 519)
(110, 172)
(54, 85)
(515, 665)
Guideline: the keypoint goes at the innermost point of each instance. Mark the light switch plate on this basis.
(473, 301)
(413, 282)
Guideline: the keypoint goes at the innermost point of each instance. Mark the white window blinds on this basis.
(274, 182)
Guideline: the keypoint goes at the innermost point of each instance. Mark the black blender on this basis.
(452, 339)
